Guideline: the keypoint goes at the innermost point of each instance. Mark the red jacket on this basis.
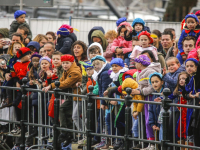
(21, 69)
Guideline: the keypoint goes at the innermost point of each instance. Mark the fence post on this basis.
(70, 20)
(90, 113)
(56, 115)
(165, 117)
(23, 112)
(127, 118)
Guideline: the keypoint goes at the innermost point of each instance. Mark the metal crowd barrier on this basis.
(46, 128)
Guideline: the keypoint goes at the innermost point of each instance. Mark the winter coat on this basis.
(92, 30)
(15, 25)
(143, 78)
(194, 33)
(161, 60)
(64, 43)
(121, 42)
(69, 79)
(169, 53)
(108, 54)
(99, 34)
(193, 53)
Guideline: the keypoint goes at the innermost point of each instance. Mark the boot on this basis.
(107, 145)
(182, 143)
(190, 144)
(66, 138)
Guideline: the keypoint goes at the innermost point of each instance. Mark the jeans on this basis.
(109, 123)
(135, 127)
(161, 132)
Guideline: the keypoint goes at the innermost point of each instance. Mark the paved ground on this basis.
(75, 147)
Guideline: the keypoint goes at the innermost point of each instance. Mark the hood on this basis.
(197, 43)
(91, 31)
(4, 32)
(97, 44)
(99, 34)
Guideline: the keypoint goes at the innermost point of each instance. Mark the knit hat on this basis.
(45, 58)
(138, 20)
(192, 59)
(63, 31)
(155, 74)
(197, 13)
(36, 55)
(98, 57)
(34, 44)
(147, 34)
(86, 64)
(143, 59)
(23, 51)
(68, 27)
(120, 20)
(117, 61)
(19, 13)
(67, 58)
(191, 16)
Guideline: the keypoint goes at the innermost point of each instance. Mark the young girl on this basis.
(145, 41)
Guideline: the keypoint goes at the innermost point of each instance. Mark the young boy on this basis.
(191, 24)
(56, 61)
(19, 21)
(188, 45)
(70, 76)
(93, 50)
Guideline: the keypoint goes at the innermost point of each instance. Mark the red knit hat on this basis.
(67, 58)
(23, 52)
(147, 34)
(197, 13)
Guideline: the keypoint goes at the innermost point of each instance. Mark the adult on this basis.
(41, 39)
(156, 35)
(79, 51)
(16, 37)
(49, 48)
(99, 37)
(172, 30)
(24, 31)
(92, 30)
(167, 43)
(4, 40)
(51, 37)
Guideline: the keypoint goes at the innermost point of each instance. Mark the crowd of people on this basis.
(130, 56)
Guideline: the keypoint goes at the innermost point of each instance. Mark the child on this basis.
(71, 75)
(138, 27)
(191, 23)
(34, 47)
(110, 36)
(157, 83)
(145, 41)
(20, 21)
(188, 45)
(93, 50)
(41, 51)
(142, 64)
(56, 61)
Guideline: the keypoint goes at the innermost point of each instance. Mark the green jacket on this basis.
(15, 25)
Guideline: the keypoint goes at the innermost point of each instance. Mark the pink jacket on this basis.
(121, 42)
(193, 53)
(108, 53)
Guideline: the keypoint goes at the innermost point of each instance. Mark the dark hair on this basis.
(94, 48)
(26, 30)
(150, 54)
(135, 38)
(169, 29)
(18, 34)
(157, 32)
(52, 34)
(188, 38)
(119, 30)
(168, 33)
(84, 55)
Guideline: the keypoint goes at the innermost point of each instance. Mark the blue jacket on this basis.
(154, 111)
(183, 35)
(179, 57)
(104, 80)
(92, 30)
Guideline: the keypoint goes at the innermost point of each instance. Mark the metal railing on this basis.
(90, 99)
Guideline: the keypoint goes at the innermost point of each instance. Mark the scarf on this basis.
(114, 76)
(95, 75)
(191, 86)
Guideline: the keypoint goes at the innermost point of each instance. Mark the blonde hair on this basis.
(111, 34)
(39, 38)
(10, 50)
(97, 61)
(173, 58)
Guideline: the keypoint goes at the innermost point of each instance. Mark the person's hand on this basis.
(125, 65)
(78, 84)
(135, 114)
(7, 75)
(49, 73)
(17, 84)
(43, 84)
(31, 82)
(128, 28)
(45, 89)
(105, 93)
(135, 92)
(164, 71)
(27, 40)
(119, 50)
(197, 94)
(154, 127)
(158, 128)
(191, 95)
(113, 102)
(158, 99)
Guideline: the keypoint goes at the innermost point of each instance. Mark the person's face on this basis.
(16, 39)
(147, 54)
(116, 68)
(138, 66)
(45, 65)
(155, 41)
(33, 49)
(188, 45)
(22, 32)
(156, 83)
(144, 41)
(172, 66)
(190, 67)
(90, 71)
(41, 52)
(122, 32)
(191, 23)
(35, 62)
(78, 50)
(198, 18)
(97, 66)
(98, 40)
(110, 40)
(121, 55)
(66, 65)
(48, 50)
(174, 35)
(21, 19)
(42, 42)
(138, 27)
(50, 38)
(166, 41)
(15, 48)
(182, 79)
(94, 53)
(134, 43)
(56, 60)
(26, 58)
